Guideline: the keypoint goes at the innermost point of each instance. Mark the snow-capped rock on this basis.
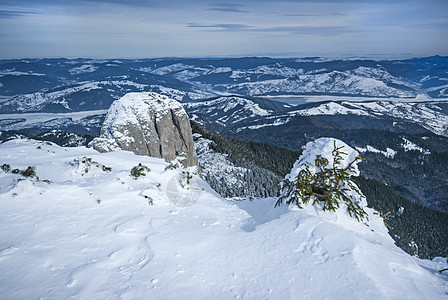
(148, 124)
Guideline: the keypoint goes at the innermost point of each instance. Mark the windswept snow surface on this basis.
(92, 235)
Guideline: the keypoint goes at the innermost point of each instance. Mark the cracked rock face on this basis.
(148, 124)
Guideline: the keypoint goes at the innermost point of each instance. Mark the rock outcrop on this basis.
(148, 124)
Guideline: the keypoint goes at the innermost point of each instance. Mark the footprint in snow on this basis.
(312, 246)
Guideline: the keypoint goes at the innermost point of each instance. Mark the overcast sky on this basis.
(198, 28)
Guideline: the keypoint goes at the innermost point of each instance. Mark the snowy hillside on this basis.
(87, 229)
(238, 113)
(429, 115)
(327, 83)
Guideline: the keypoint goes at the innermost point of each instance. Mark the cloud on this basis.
(299, 30)
(309, 30)
(299, 15)
(228, 10)
(10, 14)
(220, 26)
(229, 7)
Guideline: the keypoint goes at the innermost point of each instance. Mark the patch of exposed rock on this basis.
(148, 124)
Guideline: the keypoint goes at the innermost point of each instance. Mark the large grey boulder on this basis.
(148, 124)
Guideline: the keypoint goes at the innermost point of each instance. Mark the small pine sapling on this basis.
(189, 177)
(328, 186)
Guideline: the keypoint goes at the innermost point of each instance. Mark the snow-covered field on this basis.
(91, 233)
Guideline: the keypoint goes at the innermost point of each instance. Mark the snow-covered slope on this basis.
(429, 115)
(91, 233)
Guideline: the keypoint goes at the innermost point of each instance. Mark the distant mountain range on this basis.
(63, 85)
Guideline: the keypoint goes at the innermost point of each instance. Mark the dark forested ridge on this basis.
(416, 229)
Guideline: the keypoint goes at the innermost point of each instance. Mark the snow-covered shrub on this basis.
(323, 177)
(86, 163)
(172, 165)
(185, 178)
(6, 168)
(28, 172)
(139, 171)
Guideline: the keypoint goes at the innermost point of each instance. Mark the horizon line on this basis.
(404, 56)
